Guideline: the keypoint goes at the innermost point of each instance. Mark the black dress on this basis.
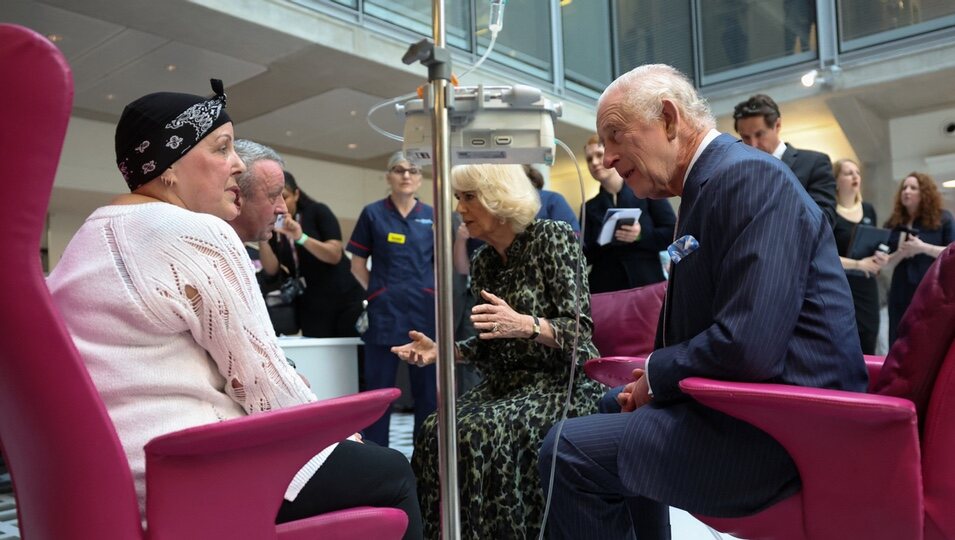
(865, 290)
(333, 297)
(909, 272)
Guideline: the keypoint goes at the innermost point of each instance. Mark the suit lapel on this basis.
(789, 156)
(695, 181)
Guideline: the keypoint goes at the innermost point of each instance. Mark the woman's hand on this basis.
(913, 245)
(871, 265)
(462, 233)
(290, 228)
(422, 351)
(627, 233)
(496, 319)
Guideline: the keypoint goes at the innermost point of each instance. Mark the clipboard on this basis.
(613, 219)
(866, 239)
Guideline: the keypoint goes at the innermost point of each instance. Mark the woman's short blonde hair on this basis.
(504, 190)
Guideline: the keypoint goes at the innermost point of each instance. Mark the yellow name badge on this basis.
(396, 238)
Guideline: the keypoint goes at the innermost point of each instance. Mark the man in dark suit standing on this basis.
(758, 122)
(632, 258)
(756, 294)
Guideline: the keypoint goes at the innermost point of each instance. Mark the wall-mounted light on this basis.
(948, 184)
(827, 78)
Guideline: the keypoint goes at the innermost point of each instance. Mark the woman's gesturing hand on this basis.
(420, 352)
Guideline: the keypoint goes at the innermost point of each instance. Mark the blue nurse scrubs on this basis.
(400, 299)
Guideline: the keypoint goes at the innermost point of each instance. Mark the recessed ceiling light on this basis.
(171, 67)
(289, 133)
(353, 113)
(54, 37)
(352, 146)
(110, 97)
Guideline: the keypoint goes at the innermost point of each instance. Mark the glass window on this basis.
(654, 32)
(867, 22)
(772, 33)
(349, 3)
(524, 43)
(415, 15)
(586, 29)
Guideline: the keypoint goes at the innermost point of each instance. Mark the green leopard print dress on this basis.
(503, 420)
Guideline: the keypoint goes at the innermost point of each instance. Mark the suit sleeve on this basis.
(761, 244)
(822, 186)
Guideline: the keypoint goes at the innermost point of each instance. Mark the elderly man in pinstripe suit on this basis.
(758, 295)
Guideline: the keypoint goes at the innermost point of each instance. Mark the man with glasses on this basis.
(757, 121)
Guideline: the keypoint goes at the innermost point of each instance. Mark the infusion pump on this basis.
(489, 124)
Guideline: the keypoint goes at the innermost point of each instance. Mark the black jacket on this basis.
(814, 171)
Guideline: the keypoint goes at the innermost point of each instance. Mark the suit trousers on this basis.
(590, 500)
(611, 467)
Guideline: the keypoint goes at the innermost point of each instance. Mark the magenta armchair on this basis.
(877, 465)
(70, 474)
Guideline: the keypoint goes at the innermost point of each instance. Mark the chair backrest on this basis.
(70, 474)
(625, 322)
(921, 367)
(925, 334)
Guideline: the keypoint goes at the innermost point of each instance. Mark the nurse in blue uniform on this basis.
(397, 234)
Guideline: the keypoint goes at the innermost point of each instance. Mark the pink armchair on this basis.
(876, 465)
(70, 474)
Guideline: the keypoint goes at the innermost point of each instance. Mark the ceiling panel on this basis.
(77, 34)
(193, 69)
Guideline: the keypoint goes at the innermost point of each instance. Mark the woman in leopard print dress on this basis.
(527, 281)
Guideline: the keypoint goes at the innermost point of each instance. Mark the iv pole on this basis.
(438, 60)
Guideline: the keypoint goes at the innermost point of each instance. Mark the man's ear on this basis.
(671, 118)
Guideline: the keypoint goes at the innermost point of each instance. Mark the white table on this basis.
(329, 364)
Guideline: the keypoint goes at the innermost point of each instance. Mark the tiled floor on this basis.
(684, 526)
(8, 518)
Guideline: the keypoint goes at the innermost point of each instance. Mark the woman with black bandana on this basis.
(161, 300)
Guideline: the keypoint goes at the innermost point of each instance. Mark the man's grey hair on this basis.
(644, 88)
(251, 152)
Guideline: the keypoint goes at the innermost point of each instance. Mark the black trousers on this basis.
(357, 474)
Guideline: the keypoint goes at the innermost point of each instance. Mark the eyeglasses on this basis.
(400, 171)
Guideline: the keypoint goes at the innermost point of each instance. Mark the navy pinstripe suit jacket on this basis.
(763, 299)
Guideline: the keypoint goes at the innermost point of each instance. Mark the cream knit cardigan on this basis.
(164, 308)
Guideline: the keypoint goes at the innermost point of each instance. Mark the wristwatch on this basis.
(535, 329)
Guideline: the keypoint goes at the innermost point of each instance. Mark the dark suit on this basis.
(617, 266)
(814, 171)
(763, 299)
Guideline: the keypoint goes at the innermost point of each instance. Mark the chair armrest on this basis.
(198, 480)
(858, 454)
(613, 371)
(873, 365)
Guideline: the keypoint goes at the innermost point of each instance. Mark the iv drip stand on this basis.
(438, 60)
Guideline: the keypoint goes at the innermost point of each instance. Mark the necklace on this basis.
(848, 209)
